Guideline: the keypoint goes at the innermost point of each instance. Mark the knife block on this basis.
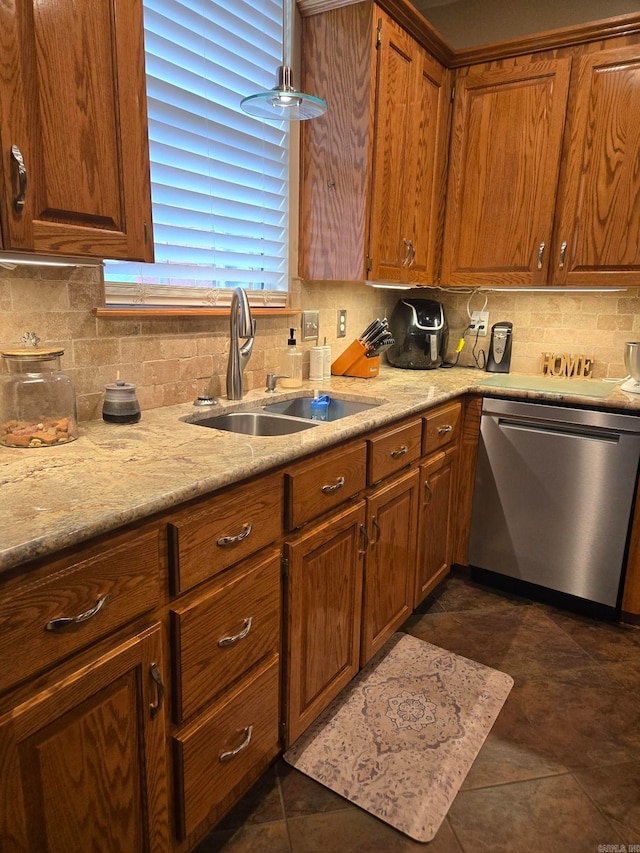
(354, 362)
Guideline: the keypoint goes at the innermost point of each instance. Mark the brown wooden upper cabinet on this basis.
(73, 129)
(373, 167)
(543, 178)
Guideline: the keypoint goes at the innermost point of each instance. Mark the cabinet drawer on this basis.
(219, 531)
(222, 633)
(393, 450)
(441, 427)
(78, 602)
(219, 751)
(314, 488)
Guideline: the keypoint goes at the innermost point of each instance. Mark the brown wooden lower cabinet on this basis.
(323, 603)
(84, 760)
(436, 521)
(392, 516)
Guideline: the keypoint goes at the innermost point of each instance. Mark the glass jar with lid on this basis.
(37, 399)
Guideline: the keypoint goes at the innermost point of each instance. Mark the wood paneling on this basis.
(392, 450)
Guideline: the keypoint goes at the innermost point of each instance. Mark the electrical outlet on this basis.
(479, 323)
(310, 325)
(342, 323)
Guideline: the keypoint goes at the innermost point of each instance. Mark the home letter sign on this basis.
(561, 364)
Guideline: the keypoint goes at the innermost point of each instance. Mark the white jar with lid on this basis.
(37, 399)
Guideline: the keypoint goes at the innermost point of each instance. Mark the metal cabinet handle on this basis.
(66, 621)
(540, 255)
(227, 756)
(376, 526)
(443, 430)
(365, 536)
(413, 254)
(327, 490)
(408, 246)
(400, 451)
(19, 200)
(223, 541)
(563, 251)
(427, 486)
(229, 641)
(156, 706)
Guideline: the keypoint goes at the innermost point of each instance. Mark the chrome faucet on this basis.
(242, 326)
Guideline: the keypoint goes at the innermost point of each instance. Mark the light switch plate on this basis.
(310, 325)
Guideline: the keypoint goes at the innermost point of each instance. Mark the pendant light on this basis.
(284, 102)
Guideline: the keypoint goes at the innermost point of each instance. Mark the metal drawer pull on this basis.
(377, 529)
(229, 641)
(400, 451)
(429, 492)
(231, 540)
(443, 430)
(19, 200)
(66, 621)
(540, 255)
(563, 251)
(327, 490)
(156, 706)
(365, 536)
(227, 756)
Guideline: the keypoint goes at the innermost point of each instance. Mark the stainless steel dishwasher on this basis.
(553, 496)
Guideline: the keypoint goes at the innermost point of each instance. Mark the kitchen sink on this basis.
(300, 407)
(256, 423)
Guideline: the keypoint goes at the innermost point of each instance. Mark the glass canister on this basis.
(37, 399)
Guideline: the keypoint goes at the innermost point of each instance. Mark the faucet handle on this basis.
(272, 379)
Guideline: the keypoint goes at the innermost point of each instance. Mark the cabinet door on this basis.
(73, 103)
(408, 160)
(392, 515)
(324, 605)
(503, 174)
(435, 528)
(599, 214)
(84, 760)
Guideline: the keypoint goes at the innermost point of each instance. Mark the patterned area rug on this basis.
(401, 737)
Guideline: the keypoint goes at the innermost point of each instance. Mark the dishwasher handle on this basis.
(550, 428)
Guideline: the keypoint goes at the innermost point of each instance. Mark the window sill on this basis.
(113, 313)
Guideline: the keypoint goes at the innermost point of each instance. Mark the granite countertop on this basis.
(113, 475)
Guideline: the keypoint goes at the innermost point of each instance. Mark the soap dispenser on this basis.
(292, 364)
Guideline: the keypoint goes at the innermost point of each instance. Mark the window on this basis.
(219, 178)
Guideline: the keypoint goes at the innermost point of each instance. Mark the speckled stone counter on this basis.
(113, 475)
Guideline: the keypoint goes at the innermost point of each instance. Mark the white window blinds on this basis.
(219, 178)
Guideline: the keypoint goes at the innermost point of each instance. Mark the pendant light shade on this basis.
(284, 102)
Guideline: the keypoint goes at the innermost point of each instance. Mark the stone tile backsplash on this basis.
(172, 360)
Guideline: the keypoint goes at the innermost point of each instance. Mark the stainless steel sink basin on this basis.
(256, 423)
(300, 407)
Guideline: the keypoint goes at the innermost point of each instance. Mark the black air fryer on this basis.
(421, 334)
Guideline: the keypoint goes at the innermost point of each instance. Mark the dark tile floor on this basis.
(560, 770)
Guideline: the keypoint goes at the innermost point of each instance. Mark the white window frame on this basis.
(145, 292)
